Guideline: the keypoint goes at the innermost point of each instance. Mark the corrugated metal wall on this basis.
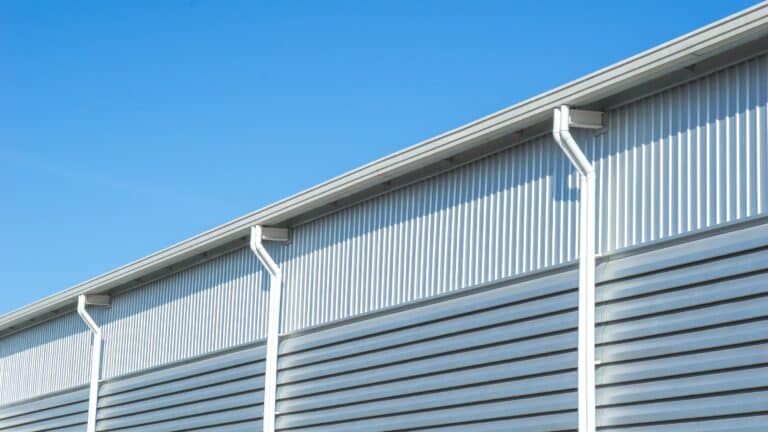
(681, 340)
(687, 158)
(210, 307)
(690, 157)
(213, 306)
(490, 219)
(31, 360)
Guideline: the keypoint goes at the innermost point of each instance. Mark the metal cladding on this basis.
(680, 339)
(46, 358)
(210, 307)
(683, 159)
(678, 161)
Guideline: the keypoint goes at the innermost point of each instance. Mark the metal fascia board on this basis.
(707, 41)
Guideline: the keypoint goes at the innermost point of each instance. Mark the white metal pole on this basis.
(258, 234)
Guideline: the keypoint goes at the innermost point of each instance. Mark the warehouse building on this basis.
(595, 257)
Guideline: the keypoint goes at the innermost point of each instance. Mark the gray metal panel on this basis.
(681, 340)
(30, 360)
(61, 412)
(484, 221)
(219, 393)
(501, 358)
(687, 158)
(684, 347)
(213, 306)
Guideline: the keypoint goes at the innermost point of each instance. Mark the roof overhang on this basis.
(631, 75)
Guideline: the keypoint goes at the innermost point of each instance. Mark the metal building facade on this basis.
(446, 301)
(681, 340)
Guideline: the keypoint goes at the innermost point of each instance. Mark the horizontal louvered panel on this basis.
(62, 412)
(245, 417)
(736, 424)
(478, 321)
(513, 351)
(684, 364)
(687, 386)
(414, 380)
(680, 345)
(700, 408)
(561, 422)
(218, 391)
(514, 341)
(540, 326)
(479, 300)
(423, 401)
(463, 413)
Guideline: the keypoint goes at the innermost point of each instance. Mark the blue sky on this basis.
(127, 126)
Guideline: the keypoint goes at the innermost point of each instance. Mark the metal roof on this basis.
(634, 72)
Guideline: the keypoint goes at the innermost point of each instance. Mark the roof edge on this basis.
(690, 48)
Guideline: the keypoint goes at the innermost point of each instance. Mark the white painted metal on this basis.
(562, 121)
(93, 395)
(258, 235)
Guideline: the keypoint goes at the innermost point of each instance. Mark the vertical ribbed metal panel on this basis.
(687, 158)
(503, 215)
(31, 360)
(216, 305)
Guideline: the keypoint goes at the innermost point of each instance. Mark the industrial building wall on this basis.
(681, 342)
(506, 352)
(214, 306)
(61, 412)
(31, 361)
(687, 158)
(218, 394)
(684, 159)
(681, 339)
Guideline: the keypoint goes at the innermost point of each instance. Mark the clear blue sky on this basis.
(126, 127)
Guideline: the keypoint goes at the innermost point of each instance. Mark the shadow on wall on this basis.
(65, 326)
(495, 175)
